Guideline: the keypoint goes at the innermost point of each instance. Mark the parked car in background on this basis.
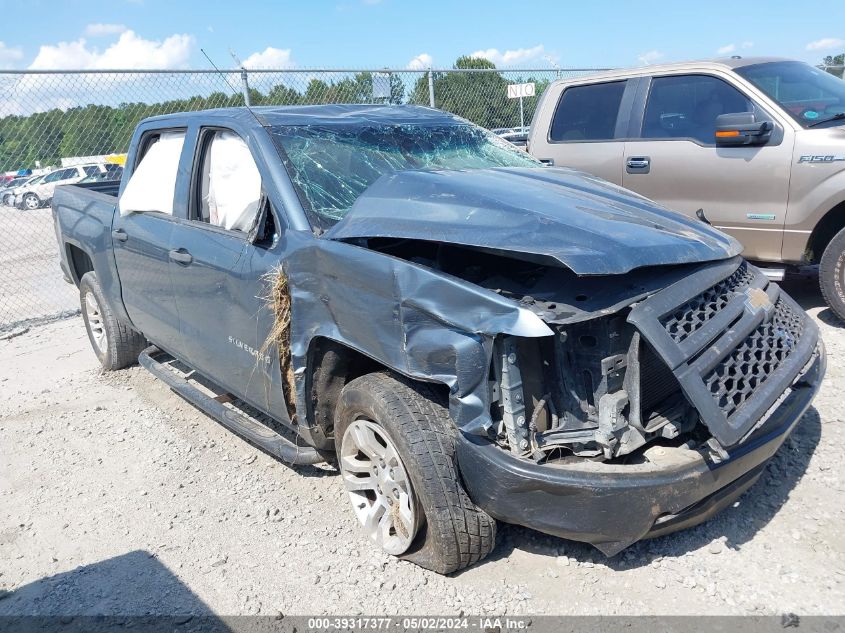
(39, 194)
(11, 184)
(516, 135)
(754, 146)
(472, 336)
(8, 196)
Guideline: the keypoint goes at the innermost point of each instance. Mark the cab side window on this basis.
(686, 106)
(230, 192)
(587, 113)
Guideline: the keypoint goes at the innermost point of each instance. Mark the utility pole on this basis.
(430, 87)
(244, 78)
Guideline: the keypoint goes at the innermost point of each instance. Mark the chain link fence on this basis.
(52, 120)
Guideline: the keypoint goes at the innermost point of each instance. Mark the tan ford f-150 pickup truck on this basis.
(754, 146)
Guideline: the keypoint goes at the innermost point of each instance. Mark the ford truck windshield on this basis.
(330, 167)
(810, 96)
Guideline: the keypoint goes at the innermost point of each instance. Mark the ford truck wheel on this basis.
(31, 201)
(832, 274)
(396, 450)
(116, 344)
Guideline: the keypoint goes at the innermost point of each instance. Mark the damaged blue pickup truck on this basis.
(470, 335)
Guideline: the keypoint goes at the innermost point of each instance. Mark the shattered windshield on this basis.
(331, 166)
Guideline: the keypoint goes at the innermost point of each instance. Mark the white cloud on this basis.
(826, 43)
(510, 57)
(9, 55)
(270, 58)
(130, 52)
(747, 44)
(98, 29)
(725, 50)
(420, 62)
(649, 57)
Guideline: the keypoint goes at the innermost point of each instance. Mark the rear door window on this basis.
(686, 106)
(587, 113)
(152, 185)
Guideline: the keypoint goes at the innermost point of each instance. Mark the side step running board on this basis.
(250, 430)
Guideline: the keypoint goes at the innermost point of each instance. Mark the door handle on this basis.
(181, 256)
(120, 235)
(638, 165)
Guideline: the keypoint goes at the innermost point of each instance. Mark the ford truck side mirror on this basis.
(742, 128)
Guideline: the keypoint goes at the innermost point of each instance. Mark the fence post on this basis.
(431, 87)
(245, 86)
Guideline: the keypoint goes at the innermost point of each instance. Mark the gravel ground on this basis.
(117, 497)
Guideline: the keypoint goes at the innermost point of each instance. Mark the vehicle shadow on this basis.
(733, 527)
(134, 590)
(804, 288)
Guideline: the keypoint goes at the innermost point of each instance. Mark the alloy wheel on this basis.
(95, 322)
(378, 486)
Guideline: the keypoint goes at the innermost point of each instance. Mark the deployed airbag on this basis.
(234, 183)
(153, 183)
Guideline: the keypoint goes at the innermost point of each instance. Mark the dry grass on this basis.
(278, 300)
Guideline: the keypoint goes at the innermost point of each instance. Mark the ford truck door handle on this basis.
(120, 235)
(638, 165)
(181, 256)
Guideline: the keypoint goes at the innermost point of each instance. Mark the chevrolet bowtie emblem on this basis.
(758, 299)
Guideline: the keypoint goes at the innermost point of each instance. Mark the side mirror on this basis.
(742, 128)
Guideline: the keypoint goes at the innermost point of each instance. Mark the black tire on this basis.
(454, 533)
(121, 344)
(832, 274)
(35, 202)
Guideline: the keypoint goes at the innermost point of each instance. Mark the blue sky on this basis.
(396, 33)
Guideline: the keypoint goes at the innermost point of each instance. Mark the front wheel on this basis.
(116, 344)
(396, 450)
(31, 201)
(832, 274)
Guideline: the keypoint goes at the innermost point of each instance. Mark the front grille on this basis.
(735, 347)
(735, 378)
(696, 312)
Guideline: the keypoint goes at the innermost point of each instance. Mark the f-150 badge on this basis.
(828, 158)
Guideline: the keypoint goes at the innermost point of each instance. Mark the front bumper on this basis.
(613, 506)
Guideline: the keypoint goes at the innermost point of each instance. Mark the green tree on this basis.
(834, 64)
(480, 97)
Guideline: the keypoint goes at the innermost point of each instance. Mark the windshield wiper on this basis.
(835, 117)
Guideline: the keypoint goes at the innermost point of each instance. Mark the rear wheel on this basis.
(832, 274)
(116, 344)
(31, 201)
(396, 449)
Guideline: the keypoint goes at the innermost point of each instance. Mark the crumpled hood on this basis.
(589, 225)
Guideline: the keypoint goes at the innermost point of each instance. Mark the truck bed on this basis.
(83, 215)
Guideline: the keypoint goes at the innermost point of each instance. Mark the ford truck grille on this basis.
(735, 347)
